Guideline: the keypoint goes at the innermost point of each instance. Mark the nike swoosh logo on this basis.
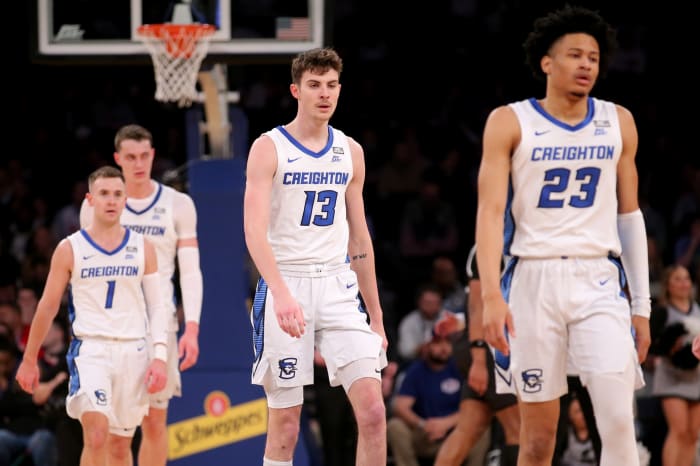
(603, 282)
(87, 257)
(378, 371)
(349, 286)
(293, 160)
(540, 133)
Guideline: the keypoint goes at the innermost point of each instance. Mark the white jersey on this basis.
(156, 217)
(106, 298)
(564, 184)
(308, 223)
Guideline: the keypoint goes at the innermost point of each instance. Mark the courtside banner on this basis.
(222, 424)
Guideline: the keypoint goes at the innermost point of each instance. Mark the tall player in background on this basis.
(114, 298)
(169, 219)
(573, 213)
(306, 231)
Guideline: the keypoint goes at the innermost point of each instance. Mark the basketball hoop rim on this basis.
(166, 30)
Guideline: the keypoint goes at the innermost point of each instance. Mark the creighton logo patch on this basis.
(288, 368)
(101, 397)
(532, 380)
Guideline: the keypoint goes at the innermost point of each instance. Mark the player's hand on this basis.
(642, 336)
(290, 316)
(156, 376)
(28, 375)
(478, 377)
(696, 346)
(188, 346)
(498, 321)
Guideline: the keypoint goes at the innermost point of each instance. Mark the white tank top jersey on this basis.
(563, 196)
(308, 223)
(106, 299)
(156, 220)
(155, 217)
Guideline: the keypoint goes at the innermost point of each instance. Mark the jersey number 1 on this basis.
(111, 284)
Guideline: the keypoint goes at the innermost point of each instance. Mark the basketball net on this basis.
(177, 51)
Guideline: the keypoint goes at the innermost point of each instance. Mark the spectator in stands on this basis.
(675, 323)
(426, 405)
(416, 327)
(23, 431)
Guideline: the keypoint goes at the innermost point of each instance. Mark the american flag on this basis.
(293, 28)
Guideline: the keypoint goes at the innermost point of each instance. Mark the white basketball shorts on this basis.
(108, 376)
(565, 308)
(336, 324)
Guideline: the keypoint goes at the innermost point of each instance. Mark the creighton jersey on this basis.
(308, 224)
(106, 298)
(564, 180)
(155, 220)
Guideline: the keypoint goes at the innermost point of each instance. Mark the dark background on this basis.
(424, 72)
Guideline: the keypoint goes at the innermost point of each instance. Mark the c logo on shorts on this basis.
(288, 368)
(101, 397)
(532, 380)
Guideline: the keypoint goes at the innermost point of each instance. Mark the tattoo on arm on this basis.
(359, 256)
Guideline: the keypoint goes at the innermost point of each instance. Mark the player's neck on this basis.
(569, 109)
(308, 129)
(107, 235)
(140, 189)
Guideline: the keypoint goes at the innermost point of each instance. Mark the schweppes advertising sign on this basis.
(222, 424)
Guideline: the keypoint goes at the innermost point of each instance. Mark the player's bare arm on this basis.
(632, 233)
(59, 275)
(261, 168)
(360, 243)
(478, 377)
(191, 282)
(501, 135)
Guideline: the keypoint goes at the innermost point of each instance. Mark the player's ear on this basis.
(294, 89)
(546, 64)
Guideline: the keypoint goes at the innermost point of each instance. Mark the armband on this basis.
(157, 314)
(191, 285)
(160, 351)
(635, 260)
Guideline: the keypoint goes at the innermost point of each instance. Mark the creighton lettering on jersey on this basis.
(308, 223)
(109, 271)
(148, 230)
(563, 183)
(106, 298)
(154, 218)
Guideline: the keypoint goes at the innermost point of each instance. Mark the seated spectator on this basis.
(578, 450)
(425, 407)
(445, 278)
(22, 427)
(674, 325)
(11, 315)
(416, 327)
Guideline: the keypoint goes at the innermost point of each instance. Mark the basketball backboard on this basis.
(104, 29)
